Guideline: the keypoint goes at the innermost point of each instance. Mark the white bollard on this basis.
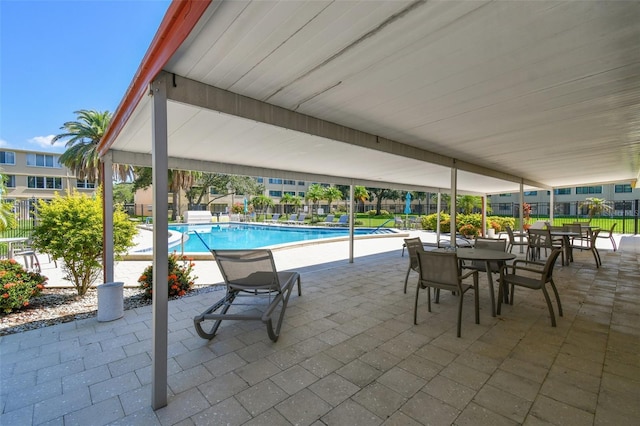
(110, 301)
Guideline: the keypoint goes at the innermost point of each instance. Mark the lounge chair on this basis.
(343, 221)
(292, 219)
(274, 218)
(249, 274)
(301, 218)
(328, 221)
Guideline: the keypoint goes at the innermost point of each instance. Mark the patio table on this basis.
(487, 256)
(566, 243)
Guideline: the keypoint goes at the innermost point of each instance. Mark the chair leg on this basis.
(500, 296)
(415, 305)
(555, 291)
(596, 257)
(406, 279)
(546, 297)
(613, 243)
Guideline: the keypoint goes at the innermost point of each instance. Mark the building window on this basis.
(10, 181)
(213, 191)
(505, 195)
(275, 181)
(43, 160)
(531, 193)
(301, 194)
(289, 182)
(623, 188)
(290, 192)
(301, 183)
(44, 182)
(275, 193)
(325, 185)
(562, 191)
(589, 190)
(7, 157)
(85, 184)
(260, 180)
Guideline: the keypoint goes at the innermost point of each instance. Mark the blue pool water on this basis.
(249, 236)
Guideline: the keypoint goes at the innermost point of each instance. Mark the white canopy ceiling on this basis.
(394, 93)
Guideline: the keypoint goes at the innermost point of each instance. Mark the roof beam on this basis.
(202, 95)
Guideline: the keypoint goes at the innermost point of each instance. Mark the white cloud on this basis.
(3, 143)
(44, 143)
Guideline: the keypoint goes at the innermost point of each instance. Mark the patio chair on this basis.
(28, 253)
(541, 239)
(589, 243)
(328, 221)
(413, 245)
(537, 276)
(514, 239)
(293, 218)
(440, 270)
(609, 235)
(274, 218)
(342, 221)
(251, 275)
(481, 266)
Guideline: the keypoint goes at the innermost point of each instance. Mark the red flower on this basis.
(5, 296)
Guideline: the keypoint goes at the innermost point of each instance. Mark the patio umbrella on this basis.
(246, 206)
(407, 207)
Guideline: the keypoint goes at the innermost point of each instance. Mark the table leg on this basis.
(490, 279)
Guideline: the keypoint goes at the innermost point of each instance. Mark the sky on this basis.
(58, 57)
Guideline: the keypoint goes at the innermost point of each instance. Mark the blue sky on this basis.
(57, 57)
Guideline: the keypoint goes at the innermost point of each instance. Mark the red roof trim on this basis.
(177, 24)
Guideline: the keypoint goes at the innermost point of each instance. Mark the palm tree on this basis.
(261, 203)
(84, 136)
(596, 206)
(332, 193)
(467, 203)
(314, 194)
(288, 199)
(360, 194)
(180, 179)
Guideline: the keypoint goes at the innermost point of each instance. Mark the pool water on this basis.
(250, 236)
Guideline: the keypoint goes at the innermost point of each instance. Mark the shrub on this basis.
(468, 230)
(17, 285)
(430, 221)
(70, 228)
(179, 281)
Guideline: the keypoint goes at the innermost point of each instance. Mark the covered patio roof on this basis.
(478, 97)
(395, 93)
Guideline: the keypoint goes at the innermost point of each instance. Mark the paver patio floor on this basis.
(349, 354)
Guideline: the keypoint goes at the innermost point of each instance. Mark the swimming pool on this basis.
(249, 236)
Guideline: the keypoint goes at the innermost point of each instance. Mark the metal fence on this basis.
(24, 213)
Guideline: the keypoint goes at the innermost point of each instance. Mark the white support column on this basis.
(438, 207)
(160, 310)
(107, 218)
(484, 215)
(352, 213)
(454, 195)
(551, 200)
(520, 210)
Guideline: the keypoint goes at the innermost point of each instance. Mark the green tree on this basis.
(360, 194)
(419, 196)
(261, 203)
(290, 200)
(314, 194)
(222, 185)
(383, 194)
(83, 136)
(123, 193)
(178, 180)
(332, 193)
(466, 203)
(595, 206)
(7, 218)
(70, 228)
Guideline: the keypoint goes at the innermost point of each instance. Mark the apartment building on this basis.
(34, 175)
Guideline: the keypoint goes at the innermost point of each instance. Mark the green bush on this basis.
(179, 281)
(70, 228)
(17, 285)
(430, 222)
